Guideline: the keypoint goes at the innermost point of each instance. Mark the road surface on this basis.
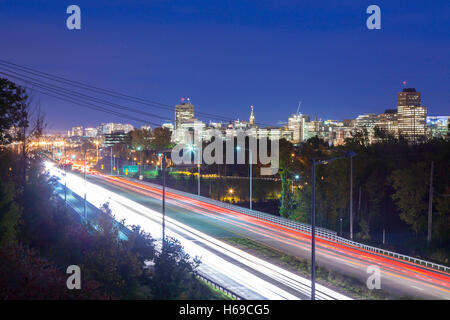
(398, 277)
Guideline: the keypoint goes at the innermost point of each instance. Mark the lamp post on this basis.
(192, 148)
(85, 214)
(163, 165)
(139, 148)
(111, 158)
(250, 163)
(251, 176)
(65, 179)
(292, 182)
(163, 171)
(349, 154)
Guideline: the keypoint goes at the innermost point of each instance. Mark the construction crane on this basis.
(298, 108)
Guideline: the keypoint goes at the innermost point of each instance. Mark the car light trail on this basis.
(195, 243)
(347, 253)
(350, 255)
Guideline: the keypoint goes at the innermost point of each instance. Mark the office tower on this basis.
(77, 131)
(438, 126)
(90, 132)
(296, 124)
(411, 115)
(127, 128)
(388, 122)
(183, 112)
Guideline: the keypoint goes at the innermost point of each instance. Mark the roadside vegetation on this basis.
(40, 238)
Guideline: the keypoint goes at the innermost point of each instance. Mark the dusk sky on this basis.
(226, 55)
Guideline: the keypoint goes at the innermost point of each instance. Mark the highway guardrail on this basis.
(321, 232)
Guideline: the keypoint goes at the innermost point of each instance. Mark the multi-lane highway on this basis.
(399, 277)
(245, 275)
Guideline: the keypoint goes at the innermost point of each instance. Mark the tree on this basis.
(172, 276)
(141, 138)
(411, 185)
(13, 109)
(285, 151)
(161, 139)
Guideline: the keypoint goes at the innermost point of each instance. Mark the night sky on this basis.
(226, 55)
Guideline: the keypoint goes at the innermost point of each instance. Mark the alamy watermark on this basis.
(74, 280)
(190, 150)
(374, 20)
(374, 280)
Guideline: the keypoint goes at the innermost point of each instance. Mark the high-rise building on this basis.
(183, 112)
(296, 124)
(388, 122)
(90, 132)
(411, 115)
(127, 128)
(168, 126)
(77, 131)
(438, 126)
(252, 117)
(108, 128)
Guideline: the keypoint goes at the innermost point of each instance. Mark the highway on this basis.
(399, 277)
(245, 275)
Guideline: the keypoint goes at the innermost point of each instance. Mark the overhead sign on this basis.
(130, 169)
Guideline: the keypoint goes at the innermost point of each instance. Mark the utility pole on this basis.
(163, 165)
(111, 158)
(351, 198)
(199, 165)
(430, 204)
(251, 175)
(313, 233)
(65, 179)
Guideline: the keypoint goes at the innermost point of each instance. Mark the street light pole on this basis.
(65, 178)
(251, 175)
(85, 215)
(351, 198)
(199, 165)
(349, 154)
(111, 158)
(313, 232)
(163, 165)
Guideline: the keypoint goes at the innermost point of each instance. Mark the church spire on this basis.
(252, 117)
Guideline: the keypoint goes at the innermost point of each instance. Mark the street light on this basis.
(163, 171)
(139, 148)
(192, 148)
(349, 154)
(250, 163)
(296, 177)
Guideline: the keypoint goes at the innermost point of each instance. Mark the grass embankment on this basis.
(216, 294)
(347, 285)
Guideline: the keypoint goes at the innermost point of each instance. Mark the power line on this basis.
(89, 98)
(67, 98)
(111, 93)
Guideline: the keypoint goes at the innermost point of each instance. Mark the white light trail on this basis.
(150, 221)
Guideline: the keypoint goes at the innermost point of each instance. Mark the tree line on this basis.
(40, 237)
(391, 189)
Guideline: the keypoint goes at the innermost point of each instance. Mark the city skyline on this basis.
(226, 62)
